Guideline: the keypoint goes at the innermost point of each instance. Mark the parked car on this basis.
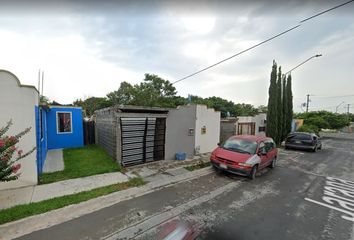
(303, 141)
(245, 155)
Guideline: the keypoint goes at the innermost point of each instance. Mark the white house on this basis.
(193, 129)
(252, 125)
(18, 102)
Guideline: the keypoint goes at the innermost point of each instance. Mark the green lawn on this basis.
(26, 210)
(82, 162)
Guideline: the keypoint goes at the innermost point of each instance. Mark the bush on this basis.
(8, 165)
(308, 128)
(324, 119)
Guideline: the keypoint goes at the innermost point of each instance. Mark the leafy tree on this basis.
(262, 109)
(309, 128)
(164, 88)
(43, 99)
(90, 105)
(8, 165)
(123, 96)
(272, 114)
(324, 119)
(244, 109)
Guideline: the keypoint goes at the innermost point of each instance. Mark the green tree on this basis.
(90, 105)
(324, 119)
(279, 135)
(244, 109)
(289, 102)
(123, 96)
(153, 91)
(285, 110)
(272, 114)
(262, 109)
(43, 99)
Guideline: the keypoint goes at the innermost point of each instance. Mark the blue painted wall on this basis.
(41, 140)
(64, 140)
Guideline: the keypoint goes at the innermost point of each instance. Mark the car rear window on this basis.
(299, 137)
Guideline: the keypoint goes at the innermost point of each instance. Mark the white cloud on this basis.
(72, 68)
(89, 53)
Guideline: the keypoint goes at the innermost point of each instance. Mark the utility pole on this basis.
(348, 108)
(307, 102)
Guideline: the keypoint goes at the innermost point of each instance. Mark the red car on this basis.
(245, 155)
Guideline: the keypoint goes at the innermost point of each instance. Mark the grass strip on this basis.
(198, 166)
(26, 210)
(82, 162)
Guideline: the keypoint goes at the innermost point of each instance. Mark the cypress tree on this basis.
(289, 96)
(285, 109)
(272, 118)
(279, 101)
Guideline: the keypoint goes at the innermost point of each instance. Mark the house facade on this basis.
(193, 129)
(52, 127)
(134, 135)
(19, 103)
(251, 125)
(58, 127)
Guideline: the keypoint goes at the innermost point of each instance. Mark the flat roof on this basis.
(134, 109)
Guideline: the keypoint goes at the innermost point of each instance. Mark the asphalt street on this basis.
(292, 201)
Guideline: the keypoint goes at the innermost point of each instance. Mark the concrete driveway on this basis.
(276, 205)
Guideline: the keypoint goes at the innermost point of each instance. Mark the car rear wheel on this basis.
(253, 172)
(315, 149)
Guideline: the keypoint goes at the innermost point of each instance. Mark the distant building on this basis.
(296, 124)
(252, 125)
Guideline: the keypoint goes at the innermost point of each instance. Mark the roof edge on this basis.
(18, 81)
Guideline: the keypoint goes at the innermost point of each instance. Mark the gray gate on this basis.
(143, 140)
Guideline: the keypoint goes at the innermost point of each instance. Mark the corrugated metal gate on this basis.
(143, 140)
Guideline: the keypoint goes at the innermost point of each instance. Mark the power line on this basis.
(239, 53)
(263, 42)
(351, 95)
(323, 12)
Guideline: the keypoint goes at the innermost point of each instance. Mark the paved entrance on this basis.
(54, 161)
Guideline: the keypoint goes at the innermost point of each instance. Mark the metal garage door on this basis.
(143, 140)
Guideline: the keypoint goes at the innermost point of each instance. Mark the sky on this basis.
(87, 48)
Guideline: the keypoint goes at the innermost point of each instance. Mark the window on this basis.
(305, 137)
(64, 122)
(262, 147)
(269, 145)
(261, 129)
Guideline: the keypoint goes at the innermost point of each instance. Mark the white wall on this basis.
(209, 118)
(258, 120)
(18, 103)
(178, 123)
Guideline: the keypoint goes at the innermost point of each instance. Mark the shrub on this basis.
(309, 128)
(8, 165)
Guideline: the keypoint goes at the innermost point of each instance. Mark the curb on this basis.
(38, 222)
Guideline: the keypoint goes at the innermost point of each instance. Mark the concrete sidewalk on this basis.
(160, 170)
(54, 161)
(24, 195)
